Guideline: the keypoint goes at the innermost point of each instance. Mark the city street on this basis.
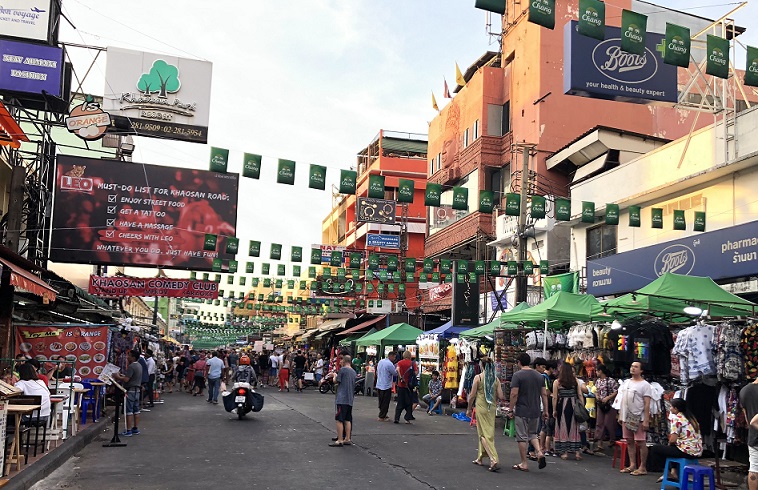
(188, 443)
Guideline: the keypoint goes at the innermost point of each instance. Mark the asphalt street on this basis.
(187, 443)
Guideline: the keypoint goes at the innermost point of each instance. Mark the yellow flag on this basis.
(434, 103)
(459, 76)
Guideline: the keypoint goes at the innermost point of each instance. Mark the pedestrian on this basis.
(749, 402)
(318, 371)
(384, 373)
(344, 403)
(299, 362)
(607, 389)
(233, 360)
(486, 391)
(547, 426)
(151, 371)
(215, 371)
(133, 383)
(273, 370)
(566, 395)
(684, 439)
(529, 402)
(434, 396)
(200, 366)
(634, 414)
(145, 378)
(284, 373)
(405, 370)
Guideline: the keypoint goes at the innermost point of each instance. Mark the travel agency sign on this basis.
(601, 69)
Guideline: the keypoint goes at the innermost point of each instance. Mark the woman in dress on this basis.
(685, 440)
(284, 373)
(566, 394)
(485, 393)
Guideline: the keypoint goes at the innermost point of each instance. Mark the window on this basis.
(431, 166)
(466, 138)
(506, 123)
(439, 161)
(476, 129)
(601, 241)
(496, 183)
(498, 120)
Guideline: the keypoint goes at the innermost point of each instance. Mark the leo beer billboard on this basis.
(120, 213)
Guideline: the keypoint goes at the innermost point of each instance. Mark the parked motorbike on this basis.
(328, 385)
(242, 399)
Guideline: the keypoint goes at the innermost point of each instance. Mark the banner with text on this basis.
(118, 286)
(84, 345)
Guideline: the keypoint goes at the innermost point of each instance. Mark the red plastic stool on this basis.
(473, 418)
(622, 446)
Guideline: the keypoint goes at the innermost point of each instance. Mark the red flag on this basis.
(446, 92)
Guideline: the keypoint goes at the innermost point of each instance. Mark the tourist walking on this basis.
(215, 371)
(132, 382)
(566, 395)
(284, 373)
(200, 367)
(273, 371)
(344, 403)
(405, 370)
(607, 389)
(634, 414)
(529, 402)
(485, 393)
(385, 371)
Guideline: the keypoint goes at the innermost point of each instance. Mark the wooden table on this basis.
(14, 456)
(97, 386)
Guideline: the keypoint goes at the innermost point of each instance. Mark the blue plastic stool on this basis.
(681, 462)
(438, 410)
(698, 473)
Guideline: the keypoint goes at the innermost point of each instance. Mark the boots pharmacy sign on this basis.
(602, 69)
(163, 96)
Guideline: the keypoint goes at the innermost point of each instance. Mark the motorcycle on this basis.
(241, 400)
(328, 385)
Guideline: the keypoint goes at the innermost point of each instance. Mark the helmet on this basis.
(244, 360)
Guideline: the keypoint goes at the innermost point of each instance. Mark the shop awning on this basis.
(363, 325)
(26, 281)
(335, 324)
(398, 334)
(307, 334)
(10, 132)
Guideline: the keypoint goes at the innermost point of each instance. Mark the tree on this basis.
(162, 79)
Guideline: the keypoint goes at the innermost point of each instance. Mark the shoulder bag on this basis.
(581, 414)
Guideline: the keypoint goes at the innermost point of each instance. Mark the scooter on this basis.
(242, 399)
(328, 385)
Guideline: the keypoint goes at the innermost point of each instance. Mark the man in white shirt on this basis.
(385, 371)
(273, 372)
(151, 377)
(319, 369)
(636, 396)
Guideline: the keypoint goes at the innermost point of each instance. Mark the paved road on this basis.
(187, 443)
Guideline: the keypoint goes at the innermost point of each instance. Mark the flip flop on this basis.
(638, 473)
(519, 468)
(628, 469)
(542, 462)
(478, 463)
(335, 444)
(494, 467)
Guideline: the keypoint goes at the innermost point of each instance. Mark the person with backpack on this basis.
(407, 381)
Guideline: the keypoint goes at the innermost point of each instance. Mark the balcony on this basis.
(461, 231)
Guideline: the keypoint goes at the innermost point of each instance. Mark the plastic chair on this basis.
(681, 462)
(437, 410)
(699, 474)
(86, 400)
(621, 446)
(510, 428)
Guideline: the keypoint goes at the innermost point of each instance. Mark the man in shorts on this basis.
(133, 383)
(527, 392)
(547, 426)
(299, 361)
(749, 402)
(273, 372)
(344, 403)
(636, 397)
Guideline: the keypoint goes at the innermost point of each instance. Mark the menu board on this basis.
(86, 346)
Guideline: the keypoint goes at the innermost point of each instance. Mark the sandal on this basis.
(519, 468)
(494, 467)
(477, 462)
(638, 473)
(335, 444)
(542, 462)
(628, 469)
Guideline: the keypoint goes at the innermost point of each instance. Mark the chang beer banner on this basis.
(562, 209)
(209, 244)
(348, 180)
(285, 173)
(376, 186)
(219, 159)
(751, 68)
(568, 282)
(496, 6)
(537, 210)
(317, 177)
(512, 204)
(592, 19)
(588, 212)
(405, 190)
(254, 248)
(678, 43)
(699, 221)
(679, 221)
(297, 254)
(432, 195)
(542, 12)
(717, 49)
(656, 218)
(460, 198)
(251, 166)
(635, 216)
(249, 267)
(486, 201)
(612, 214)
(316, 256)
(633, 32)
(276, 251)
(232, 245)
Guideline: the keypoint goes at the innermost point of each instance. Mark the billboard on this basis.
(30, 68)
(465, 308)
(719, 254)
(601, 69)
(163, 96)
(120, 213)
(118, 286)
(86, 346)
(26, 19)
(370, 210)
(382, 240)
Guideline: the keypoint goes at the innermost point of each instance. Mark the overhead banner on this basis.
(465, 307)
(717, 49)
(106, 212)
(31, 68)
(375, 210)
(678, 43)
(592, 19)
(751, 68)
(163, 96)
(721, 254)
(86, 346)
(542, 12)
(120, 286)
(602, 69)
(26, 19)
(633, 32)
(568, 282)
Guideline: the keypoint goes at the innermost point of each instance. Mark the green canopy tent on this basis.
(489, 328)
(672, 293)
(398, 334)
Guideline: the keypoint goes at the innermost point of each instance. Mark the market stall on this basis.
(398, 335)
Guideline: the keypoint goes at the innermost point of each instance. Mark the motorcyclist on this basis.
(244, 373)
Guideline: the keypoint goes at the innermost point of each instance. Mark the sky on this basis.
(311, 81)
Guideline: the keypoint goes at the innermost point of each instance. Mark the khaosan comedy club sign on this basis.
(601, 69)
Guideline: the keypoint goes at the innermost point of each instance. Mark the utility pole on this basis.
(521, 279)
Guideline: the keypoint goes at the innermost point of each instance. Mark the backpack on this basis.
(412, 378)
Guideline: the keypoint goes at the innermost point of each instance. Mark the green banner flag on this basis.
(496, 6)
(410, 264)
(243, 280)
(528, 267)
(316, 256)
(432, 195)
(276, 251)
(495, 268)
(717, 49)
(445, 265)
(562, 209)
(229, 280)
(699, 221)
(538, 207)
(462, 265)
(373, 261)
(678, 42)
(612, 214)
(347, 181)
(317, 177)
(486, 201)
(751, 67)
(281, 270)
(542, 12)
(355, 260)
(302, 285)
(285, 173)
(405, 190)
(479, 267)
(335, 258)
(512, 268)
(401, 288)
(544, 267)
(232, 245)
(410, 276)
(205, 276)
(265, 268)
(656, 215)
(254, 249)
(341, 273)
(635, 216)
(460, 278)
(219, 159)
(428, 266)
(512, 204)
(210, 242)
(376, 186)
(312, 272)
(193, 275)
(233, 266)
(568, 282)
(460, 198)
(296, 270)
(326, 272)
(435, 276)
(355, 273)
(278, 285)
(383, 275)
(633, 32)
(392, 263)
(679, 222)
(592, 19)
(588, 212)
(250, 268)
(216, 266)
(297, 254)
(251, 166)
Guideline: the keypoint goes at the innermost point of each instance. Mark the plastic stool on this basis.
(682, 462)
(473, 418)
(698, 473)
(510, 428)
(622, 446)
(437, 410)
